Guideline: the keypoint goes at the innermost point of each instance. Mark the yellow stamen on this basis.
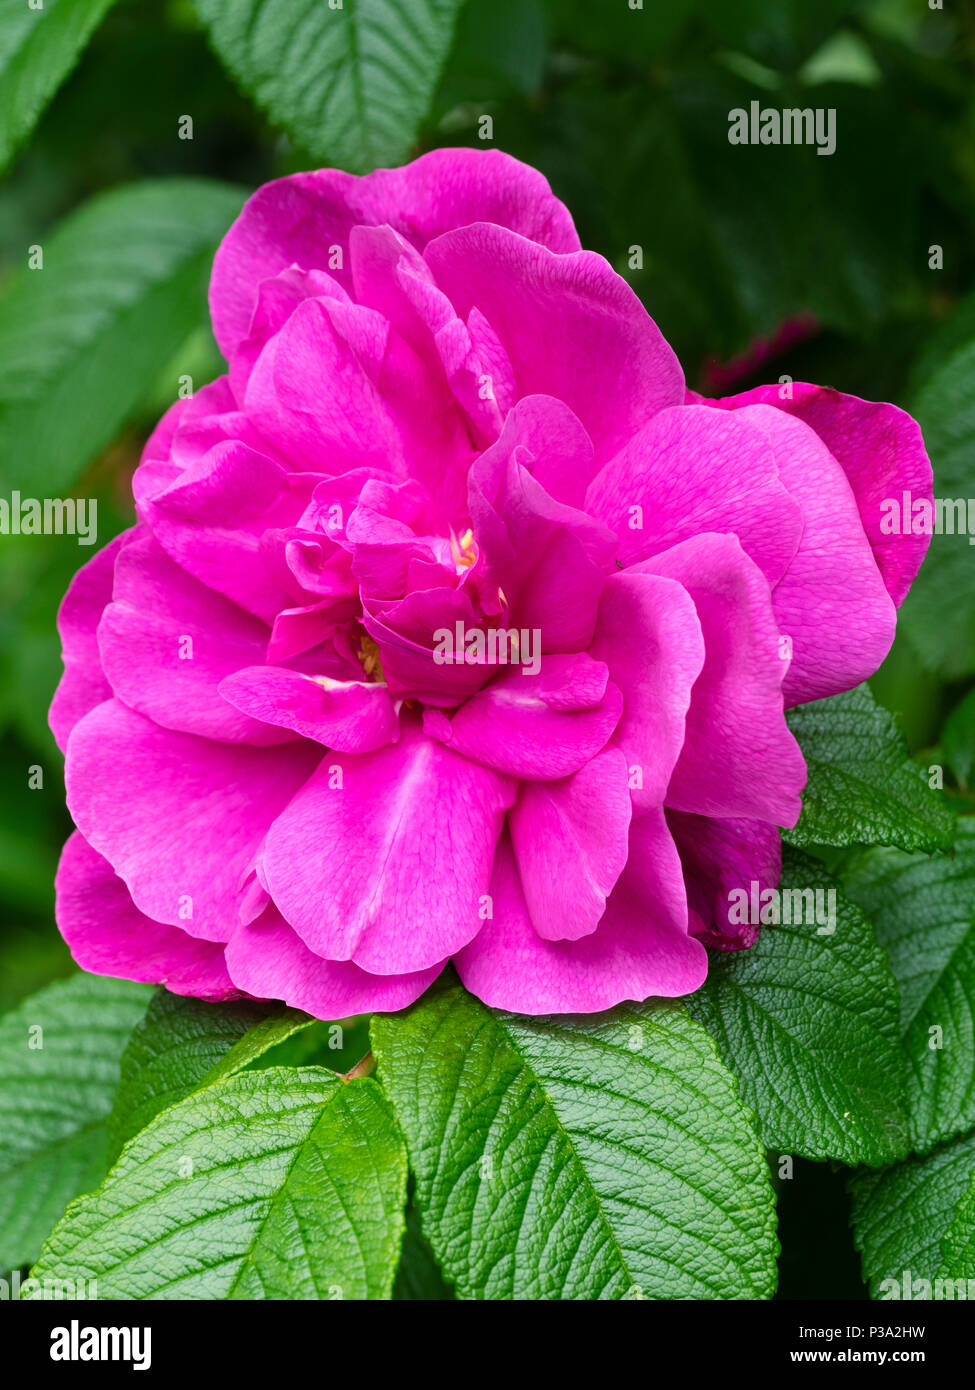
(464, 549)
(369, 655)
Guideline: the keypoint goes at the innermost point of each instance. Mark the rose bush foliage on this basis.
(441, 416)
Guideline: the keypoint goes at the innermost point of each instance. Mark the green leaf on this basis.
(916, 1219)
(184, 1044)
(809, 1025)
(56, 1089)
(351, 85)
(924, 914)
(958, 1242)
(275, 1184)
(578, 1158)
(123, 285)
(38, 48)
(863, 787)
(939, 612)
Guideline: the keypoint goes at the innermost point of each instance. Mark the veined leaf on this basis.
(958, 1242)
(38, 48)
(351, 84)
(808, 1021)
(184, 1044)
(123, 285)
(285, 1183)
(914, 1221)
(863, 787)
(59, 1066)
(924, 913)
(578, 1158)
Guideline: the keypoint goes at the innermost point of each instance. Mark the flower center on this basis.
(369, 656)
(463, 549)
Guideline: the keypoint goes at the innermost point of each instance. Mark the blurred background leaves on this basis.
(756, 261)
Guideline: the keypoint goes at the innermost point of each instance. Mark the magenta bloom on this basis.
(452, 626)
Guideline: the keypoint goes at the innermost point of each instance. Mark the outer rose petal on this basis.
(142, 636)
(570, 842)
(179, 818)
(640, 948)
(266, 958)
(880, 449)
(572, 328)
(720, 856)
(739, 758)
(388, 869)
(210, 523)
(297, 220)
(831, 600)
(690, 473)
(83, 685)
(108, 935)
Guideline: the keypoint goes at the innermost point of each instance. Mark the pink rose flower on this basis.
(452, 626)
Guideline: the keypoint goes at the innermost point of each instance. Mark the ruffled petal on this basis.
(179, 818)
(739, 758)
(691, 470)
(108, 935)
(167, 641)
(267, 959)
(650, 638)
(831, 601)
(539, 561)
(537, 726)
(880, 449)
(640, 948)
(84, 684)
(571, 328)
(383, 858)
(570, 843)
(349, 716)
(303, 219)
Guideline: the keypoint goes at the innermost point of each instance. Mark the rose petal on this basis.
(179, 818)
(570, 842)
(108, 935)
(267, 959)
(641, 947)
(383, 857)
